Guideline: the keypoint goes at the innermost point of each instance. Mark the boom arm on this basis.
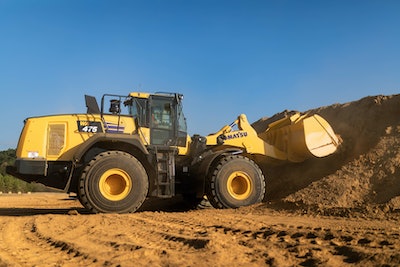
(245, 138)
(294, 138)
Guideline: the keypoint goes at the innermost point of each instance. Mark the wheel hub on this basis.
(239, 185)
(115, 184)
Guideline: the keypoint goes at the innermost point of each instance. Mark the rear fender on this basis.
(101, 142)
(104, 139)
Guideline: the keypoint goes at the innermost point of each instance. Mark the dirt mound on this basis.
(365, 170)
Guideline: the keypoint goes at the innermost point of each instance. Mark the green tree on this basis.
(7, 157)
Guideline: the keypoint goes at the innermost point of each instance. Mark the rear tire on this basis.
(235, 181)
(113, 182)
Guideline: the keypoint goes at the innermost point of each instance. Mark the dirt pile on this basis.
(365, 170)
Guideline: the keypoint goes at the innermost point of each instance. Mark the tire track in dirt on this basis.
(167, 238)
(250, 236)
(282, 245)
(22, 245)
(106, 236)
(162, 239)
(301, 242)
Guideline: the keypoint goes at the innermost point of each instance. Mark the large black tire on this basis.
(235, 181)
(113, 182)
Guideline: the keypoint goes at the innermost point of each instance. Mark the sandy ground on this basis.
(51, 229)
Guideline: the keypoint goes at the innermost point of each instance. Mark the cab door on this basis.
(162, 121)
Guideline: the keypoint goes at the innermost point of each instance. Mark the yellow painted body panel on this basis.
(37, 136)
(139, 95)
(57, 137)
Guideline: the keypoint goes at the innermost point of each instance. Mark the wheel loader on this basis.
(116, 157)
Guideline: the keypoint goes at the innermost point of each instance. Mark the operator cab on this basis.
(163, 114)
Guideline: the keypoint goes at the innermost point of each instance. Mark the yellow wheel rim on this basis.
(115, 184)
(239, 185)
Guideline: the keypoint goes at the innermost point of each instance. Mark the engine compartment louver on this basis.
(56, 139)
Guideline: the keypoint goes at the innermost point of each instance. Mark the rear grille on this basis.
(56, 139)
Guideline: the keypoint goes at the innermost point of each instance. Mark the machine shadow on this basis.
(176, 204)
(17, 212)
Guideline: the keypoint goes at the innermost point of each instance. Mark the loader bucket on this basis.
(301, 137)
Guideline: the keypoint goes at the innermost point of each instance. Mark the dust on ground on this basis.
(340, 210)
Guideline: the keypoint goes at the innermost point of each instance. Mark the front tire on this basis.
(235, 181)
(113, 182)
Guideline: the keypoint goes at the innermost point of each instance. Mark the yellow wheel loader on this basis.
(138, 148)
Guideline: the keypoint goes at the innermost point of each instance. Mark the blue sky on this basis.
(226, 57)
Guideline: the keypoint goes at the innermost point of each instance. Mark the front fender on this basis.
(202, 168)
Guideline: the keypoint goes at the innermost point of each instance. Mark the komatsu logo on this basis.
(236, 135)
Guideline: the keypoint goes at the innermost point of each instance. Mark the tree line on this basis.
(9, 183)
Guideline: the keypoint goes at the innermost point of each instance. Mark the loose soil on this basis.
(342, 210)
(49, 229)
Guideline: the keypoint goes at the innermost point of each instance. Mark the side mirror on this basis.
(115, 107)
